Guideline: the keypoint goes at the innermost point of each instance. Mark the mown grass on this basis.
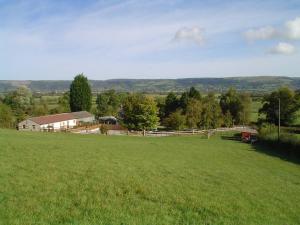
(73, 179)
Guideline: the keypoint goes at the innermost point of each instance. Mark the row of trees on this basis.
(189, 110)
(192, 110)
(140, 112)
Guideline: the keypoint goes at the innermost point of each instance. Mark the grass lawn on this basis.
(73, 179)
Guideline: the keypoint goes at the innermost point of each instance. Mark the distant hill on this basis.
(250, 84)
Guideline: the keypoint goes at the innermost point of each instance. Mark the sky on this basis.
(110, 39)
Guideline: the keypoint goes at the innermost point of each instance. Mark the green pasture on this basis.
(48, 178)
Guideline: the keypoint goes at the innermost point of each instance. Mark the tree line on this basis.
(136, 111)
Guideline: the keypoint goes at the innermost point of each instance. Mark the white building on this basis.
(56, 122)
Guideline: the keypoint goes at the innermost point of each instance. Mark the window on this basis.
(24, 126)
(33, 127)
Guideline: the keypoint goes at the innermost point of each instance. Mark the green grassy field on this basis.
(73, 179)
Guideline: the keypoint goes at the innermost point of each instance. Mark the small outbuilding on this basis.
(108, 120)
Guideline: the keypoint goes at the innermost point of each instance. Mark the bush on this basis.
(288, 144)
(104, 129)
(175, 121)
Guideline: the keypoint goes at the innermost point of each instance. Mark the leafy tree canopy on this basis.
(175, 121)
(212, 114)
(193, 113)
(80, 94)
(108, 103)
(6, 116)
(139, 112)
(238, 105)
(289, 105)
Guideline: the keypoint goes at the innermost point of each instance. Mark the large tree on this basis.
(193, 93)
(193, 113)
(20, 101)
(175, 121)
(80, 94)
(171, 104)
(211, 116)
(289, 105)
(6, 116)
(237, 104)
(139, 112)
(108, 103)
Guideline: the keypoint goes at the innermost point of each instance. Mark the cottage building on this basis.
(56, 122)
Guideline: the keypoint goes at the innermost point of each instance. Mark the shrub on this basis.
(288, 144)
(104, 129)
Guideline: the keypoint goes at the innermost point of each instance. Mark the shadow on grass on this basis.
(270, 149)
(276, 151)
(232, 137)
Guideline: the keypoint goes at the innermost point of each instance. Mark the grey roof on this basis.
(82, 114)
(108, 118)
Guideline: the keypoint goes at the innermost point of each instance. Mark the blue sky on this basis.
(44, 39)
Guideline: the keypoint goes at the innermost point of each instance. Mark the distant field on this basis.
(73, 179)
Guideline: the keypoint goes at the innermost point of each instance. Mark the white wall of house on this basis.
(60, 125)
(32, 126)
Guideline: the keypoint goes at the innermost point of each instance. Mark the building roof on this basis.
(60, 117)
(81, 114)
(108, 118)
(52, 118)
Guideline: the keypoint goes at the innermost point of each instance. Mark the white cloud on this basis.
(289, 31)
(283, 49)
(292, 29)
(194, 34)
(263, 33)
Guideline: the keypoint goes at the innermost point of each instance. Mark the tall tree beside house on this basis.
(289, 105)
(20, 101)
(139, 112)
(6, 116)
(80, 94)
(108, 103)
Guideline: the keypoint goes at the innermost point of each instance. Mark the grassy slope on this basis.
(72, 179)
